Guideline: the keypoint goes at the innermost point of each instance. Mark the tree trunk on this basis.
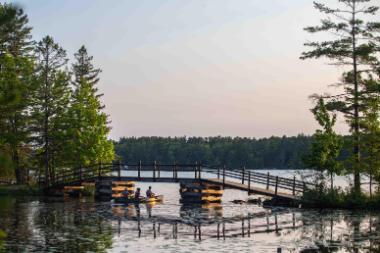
(18, 170)
(46, 120)
(332, 181)
(357, 188)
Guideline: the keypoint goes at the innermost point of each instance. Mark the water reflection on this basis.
(56, 225)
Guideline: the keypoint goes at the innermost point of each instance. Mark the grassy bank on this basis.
(20, 190)
(338, 199)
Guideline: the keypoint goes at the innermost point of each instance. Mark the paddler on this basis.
(137, 193)
(149, 193)
(125, 194)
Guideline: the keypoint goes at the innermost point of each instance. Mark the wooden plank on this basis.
(123, 183)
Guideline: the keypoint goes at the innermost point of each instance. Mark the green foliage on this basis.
(370, 125)
(20, 190)
(339, 199)
(3, 235)
(51, 102)
(39, 111)
(326, 146)
(355, 44)
(88, 124)
(16, 87)
(354, 37)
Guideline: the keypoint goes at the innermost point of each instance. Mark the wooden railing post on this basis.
(199, 171)
(174, 167)
(119, 170)
(139, 170)
(294, 185)
(154, 170)
(218, 172)
(158, 170)
(195, 170)
(242, 174)
(275, 190)
(224, 176)
(176, 170)
(268, 181)
(249, 182)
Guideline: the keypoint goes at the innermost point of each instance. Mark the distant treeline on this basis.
(274, 152)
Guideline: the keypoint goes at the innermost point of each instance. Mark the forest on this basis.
(267, 153)
(51, 114)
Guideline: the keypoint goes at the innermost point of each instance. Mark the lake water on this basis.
(84, 225)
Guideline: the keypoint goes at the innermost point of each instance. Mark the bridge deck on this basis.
(256, 190)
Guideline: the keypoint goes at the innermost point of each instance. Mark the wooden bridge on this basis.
(242, 179)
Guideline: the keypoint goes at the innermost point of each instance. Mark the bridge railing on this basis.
(248, 177)
(116, 169)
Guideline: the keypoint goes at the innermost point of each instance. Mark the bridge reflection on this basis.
(49, 225)
(200, 222)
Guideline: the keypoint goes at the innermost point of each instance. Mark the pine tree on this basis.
(16, 87)
(326, 145)
(355, 45)
(89, 124)
(51, 103)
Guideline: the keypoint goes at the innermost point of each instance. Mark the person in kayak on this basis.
(149, 193)
(137, 193)
(125, 194)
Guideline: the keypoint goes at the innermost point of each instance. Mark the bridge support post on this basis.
(224, 176)
(294, 185)
(275, 190)
(154, 170)
(158, 170)
(242, 174)
(268, 181)
(199, 171)
(218, 173)
(119, 170)
(139, 170)
(249, 183)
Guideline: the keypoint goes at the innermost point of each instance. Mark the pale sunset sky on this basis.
(195, 67)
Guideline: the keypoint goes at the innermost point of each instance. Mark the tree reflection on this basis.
(80, 226)
(53, 227)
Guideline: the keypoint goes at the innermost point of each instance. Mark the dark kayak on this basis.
(122, 200)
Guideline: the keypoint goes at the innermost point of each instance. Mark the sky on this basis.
(195, 67)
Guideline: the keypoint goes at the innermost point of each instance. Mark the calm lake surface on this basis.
(84, 225)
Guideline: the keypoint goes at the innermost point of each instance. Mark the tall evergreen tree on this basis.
(16, 88)
(89, 125)
(355, 45)
(51, 103)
